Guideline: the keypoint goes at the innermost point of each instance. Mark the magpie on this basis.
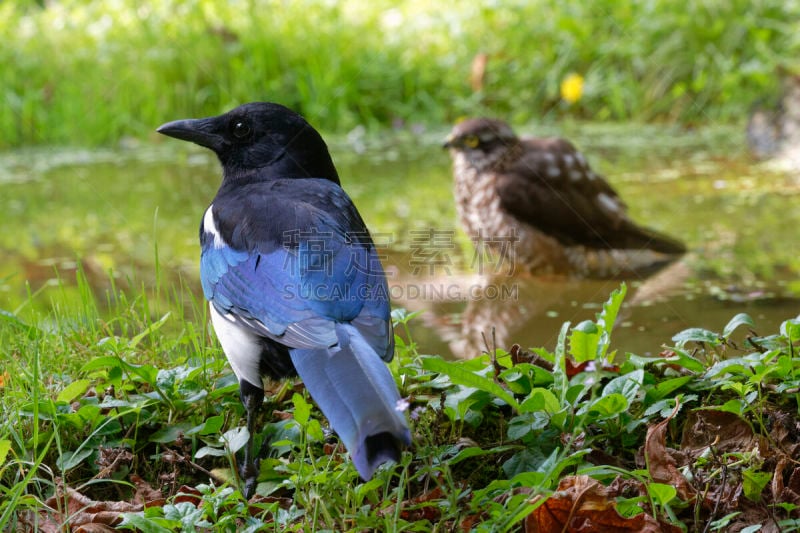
(293, 280)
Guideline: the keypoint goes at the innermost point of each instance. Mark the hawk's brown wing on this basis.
(552, 188)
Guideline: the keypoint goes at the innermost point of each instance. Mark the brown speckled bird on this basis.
(542, 194)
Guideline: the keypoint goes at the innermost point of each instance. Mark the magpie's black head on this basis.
(261, 138)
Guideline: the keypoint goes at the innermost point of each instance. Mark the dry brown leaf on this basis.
(727, 432)
(419, 508)
(189, 494)
(282, 415)
(69, 506)
(93, 528)
(660, 463)
(111, 461)
(572, 368)
(146, 494)
(81, 513)
(583, 504)
(776, 486)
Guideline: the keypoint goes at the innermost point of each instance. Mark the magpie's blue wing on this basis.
(289, 262)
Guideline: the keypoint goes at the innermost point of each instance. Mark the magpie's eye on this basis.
(471, 141)
(241, 129)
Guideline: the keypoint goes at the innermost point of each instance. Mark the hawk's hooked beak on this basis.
(449, 142)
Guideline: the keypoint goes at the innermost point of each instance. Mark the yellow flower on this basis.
(572, 88)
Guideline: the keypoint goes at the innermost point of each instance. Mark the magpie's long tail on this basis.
(356, 392)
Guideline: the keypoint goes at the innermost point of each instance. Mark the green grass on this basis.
(96, 72)
(494, 437)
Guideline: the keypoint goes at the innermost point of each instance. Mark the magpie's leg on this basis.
(252, 397)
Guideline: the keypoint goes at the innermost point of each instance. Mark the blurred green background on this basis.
(81, 72)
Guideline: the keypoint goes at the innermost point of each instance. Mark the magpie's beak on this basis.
(200, 131)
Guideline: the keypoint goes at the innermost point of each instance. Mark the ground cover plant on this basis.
(134, 423)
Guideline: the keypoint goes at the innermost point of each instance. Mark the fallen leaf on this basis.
(68, 506)
(660, 463)
(94, 528)
(726, 431)
(111, 459)
(777, 487)
(584, 504)
(188, 494)
(146, 494)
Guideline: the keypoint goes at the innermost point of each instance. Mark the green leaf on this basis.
(527, 460)
(209, 451)
(753, 483)
(629, 507)
(184, 512)
(402, 316)
(606, 406)
(666, 387)
(540, 400)
(171, 433)
(791, 330)
(302, 409)
(627, 385)
(69, 460)
(735, 366)
(696, 335)
(460, 376)
(584, 341)
(148, 373)
(105, 362)
(73, 390)
(143, 524)
(662, 493)
(5, 447)
(475, 451)
(155, 326)
(521, 425)
(466, 403)
(560, 381)
(608, 316)
(734, 406)
(723, 522)
(167, 378)
(753, 528)
(742, 319)
(314, 431)
(681, 358)
(212, 425)
(235, 439)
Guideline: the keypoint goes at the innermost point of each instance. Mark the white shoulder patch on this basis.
(210, 226)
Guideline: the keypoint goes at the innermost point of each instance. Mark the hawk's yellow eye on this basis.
(471, 141)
